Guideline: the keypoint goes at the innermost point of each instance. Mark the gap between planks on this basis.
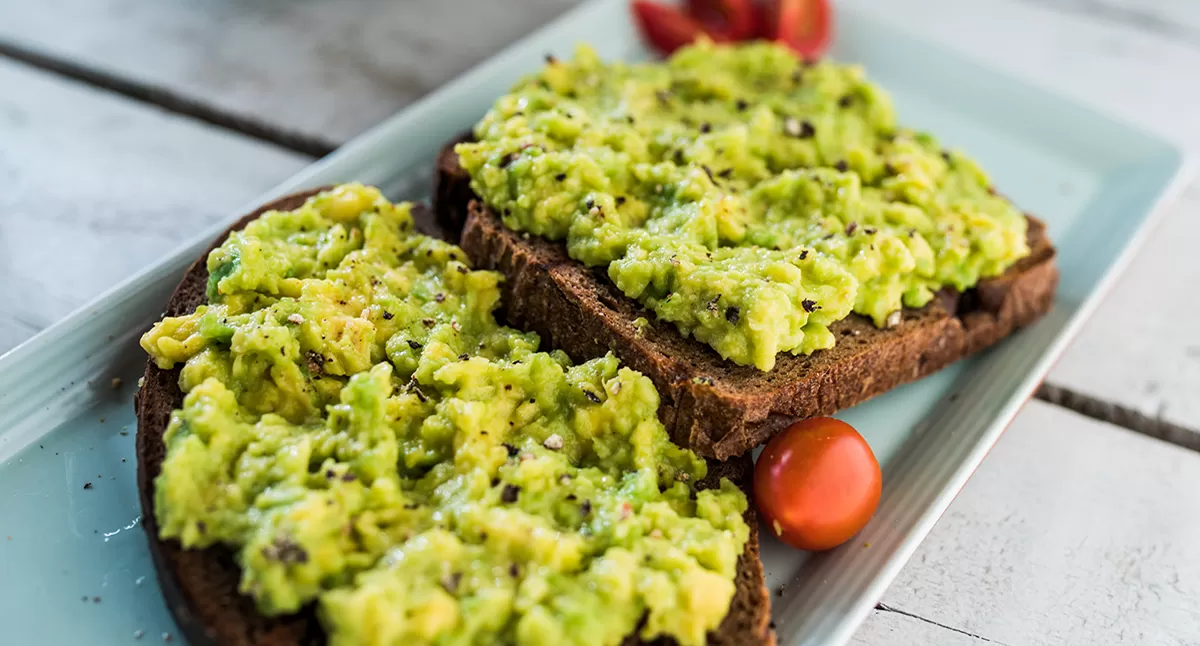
(882, 607)
(1118, 415)
(168, 100)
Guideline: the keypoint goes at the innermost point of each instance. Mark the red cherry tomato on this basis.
(667, 28)
(736, 18)
(817, 484)
(806, 26)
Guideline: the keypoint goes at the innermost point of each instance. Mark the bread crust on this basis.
(201, 586)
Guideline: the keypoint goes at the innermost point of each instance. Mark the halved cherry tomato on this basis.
(817, 483)
(736, 18)
(667, 28)
(806, 26)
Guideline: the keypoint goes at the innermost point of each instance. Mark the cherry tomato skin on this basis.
(817, 484)
(806, 26)
(738, 19)
(667, 28)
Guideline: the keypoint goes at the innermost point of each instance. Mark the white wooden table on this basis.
(126, 126)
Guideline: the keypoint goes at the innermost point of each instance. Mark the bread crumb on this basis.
(295, 318)
(894, 318)
(554, 442)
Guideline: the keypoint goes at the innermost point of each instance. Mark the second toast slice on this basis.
(715, 407)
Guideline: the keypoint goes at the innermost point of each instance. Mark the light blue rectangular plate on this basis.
(75, 560)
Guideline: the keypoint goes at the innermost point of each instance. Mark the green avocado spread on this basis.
(364, 436)
(746, 197)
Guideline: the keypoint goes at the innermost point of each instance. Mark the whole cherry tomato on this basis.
(817, 483)
(806, 26)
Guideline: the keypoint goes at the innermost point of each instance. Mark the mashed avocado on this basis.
(362, 433)
(748, 198)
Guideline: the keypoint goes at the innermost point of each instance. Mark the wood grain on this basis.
(96, 188)
(1072, 532)
(324, 68)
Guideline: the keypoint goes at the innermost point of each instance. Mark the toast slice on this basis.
(715, 407)
(201, 586)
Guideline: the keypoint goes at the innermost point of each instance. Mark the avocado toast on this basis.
(202, 585)
(664, 211)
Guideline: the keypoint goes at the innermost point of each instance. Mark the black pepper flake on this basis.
(495, 481)
(429, 253)
(95, 599)
(560, 177)
(508, 159)
(316, 362)
(509, 493)
(285, 551)
(586, 507)
(733, 315)
(870, 231)
(87, 485)
(846, 101)
(809, 305)
(514, 570)
(912, 232)
(803, 254)
(330, 474)
(427, 322)
(464, 356)
(570, 496)
(807, 130)
(411, 505)
(712, 305)
(439, 297)
(620, 200)
(725, 173)
(771, 625)
(551, 59)
(450, 582)
(797, 77)
(201, 526)
(705, 127)
(841, 165)
(889, 169)
(707, 381)
(512, 450)
(508, 386)
(591, 396)
(851, 228)
(741, 105)
(414, 345)
(946, 155)
(678, 158)
(348, 477)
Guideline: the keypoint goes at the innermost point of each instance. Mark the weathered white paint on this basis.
(1072, 532)
(884, 628)
(96, 187)
(325, 68)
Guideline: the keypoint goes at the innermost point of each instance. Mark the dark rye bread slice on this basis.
(200, 586)
(718, 408)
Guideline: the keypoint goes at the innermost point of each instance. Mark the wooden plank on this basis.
(886, 628)
(325, 68)
(96, 187)
(1071, 532)
(1140, 350)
